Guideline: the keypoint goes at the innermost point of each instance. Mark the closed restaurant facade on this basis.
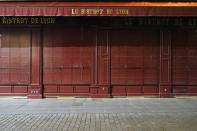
(98, 49)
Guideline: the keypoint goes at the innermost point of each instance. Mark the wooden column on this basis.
(35, 86)
(165, 64)
(102, 64)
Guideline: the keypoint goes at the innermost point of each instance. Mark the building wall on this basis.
(97, 61)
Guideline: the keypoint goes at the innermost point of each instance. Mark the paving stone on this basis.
(99, 115)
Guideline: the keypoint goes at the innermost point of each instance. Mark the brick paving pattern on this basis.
(99, 122)
(98, 115)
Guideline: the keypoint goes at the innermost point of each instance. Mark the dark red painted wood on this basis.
(35, 86)
(134, 61)
(95, 62)
(77, 8)
(14, 56)
(103, 58)
(20, 89)
(184, 62)
(101, 83)
(68, 59)
(192, 90)
(150, 90)
(134, 90)
(5, 89)
(165, 64)
(50, 89)
(14, 60)
(35, 57)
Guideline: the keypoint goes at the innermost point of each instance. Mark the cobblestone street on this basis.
(98, 114)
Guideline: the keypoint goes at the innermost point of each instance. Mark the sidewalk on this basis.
(84, 114)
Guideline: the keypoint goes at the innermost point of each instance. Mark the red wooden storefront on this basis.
(97, 60)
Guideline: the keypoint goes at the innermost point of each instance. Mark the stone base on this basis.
(165, 92)
(35, 92)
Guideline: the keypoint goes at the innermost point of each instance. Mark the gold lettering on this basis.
(52, 20)
(26, 20)
(122, 11)
(91, 11)
(18, 20)
(82, 11)
(4, 21)
(109, 11)
(74, 11)
(101, 11)
(34, 21)
(47, 20)
(14, 20)
(87, 11)
(9, 21)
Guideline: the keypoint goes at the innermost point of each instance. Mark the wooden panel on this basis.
(150, 90)
(151, 76)
(15, 55)
(192, 77)
(184, 60)
(151, 60)
(68, 55)
(5, 89)
(134, 76)
(82, 89)
(179, 58)
(66, 89)
(36, 58)
(180, 90)
(134, 59)
(50, 89)
(192, 90)
(126, 57)
(20, 89)
(15, 59)
(165, 63)
(4, 57)
(165, 58)
(119, 90)
(180, 76)
(134, 90)
(192, 57)
(103, 59)
(103, 90)
(4, 76)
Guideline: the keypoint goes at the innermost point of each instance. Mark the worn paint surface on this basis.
(97, 62)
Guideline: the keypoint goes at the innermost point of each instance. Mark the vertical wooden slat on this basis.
(104, 58)
(165, 64)
(35, 86)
